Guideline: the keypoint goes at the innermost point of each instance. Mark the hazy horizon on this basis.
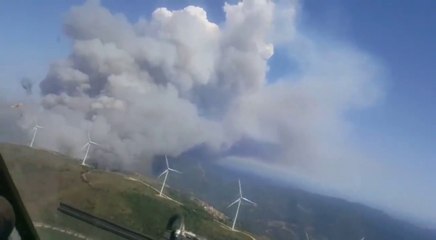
(336, 97)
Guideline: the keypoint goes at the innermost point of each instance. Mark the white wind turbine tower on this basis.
(239, 201)
(35, 130)
(166, 172)
(88, 146)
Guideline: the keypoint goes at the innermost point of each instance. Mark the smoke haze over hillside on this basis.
(174, 80)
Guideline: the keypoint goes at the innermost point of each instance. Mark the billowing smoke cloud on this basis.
(174, 80)
(160, 85)
(27, 85)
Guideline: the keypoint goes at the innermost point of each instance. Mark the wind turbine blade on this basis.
(92, 142)
(84, 146)
(166, 160)
(233, 203)
(248, 200)
(160, 175)
(89, 137)
(174, 170)
(240, 189)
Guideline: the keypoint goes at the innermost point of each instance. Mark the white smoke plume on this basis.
(175, 80)
(172, 81)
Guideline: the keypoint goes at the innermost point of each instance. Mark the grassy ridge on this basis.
(45, 178)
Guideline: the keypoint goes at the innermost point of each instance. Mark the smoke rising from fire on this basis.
(175, 80)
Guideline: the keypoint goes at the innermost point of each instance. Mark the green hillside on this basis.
(45, 178)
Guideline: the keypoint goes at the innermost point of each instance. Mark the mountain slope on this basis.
(285, 212)
(45, 178)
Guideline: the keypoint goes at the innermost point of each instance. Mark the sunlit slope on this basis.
(45, 178)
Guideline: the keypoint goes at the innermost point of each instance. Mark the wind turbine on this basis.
(239, 201)
(166, 172)
(88, 146)
(35, 130)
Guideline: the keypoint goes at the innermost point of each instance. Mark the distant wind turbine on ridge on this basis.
(239, 201)
(166, 172)
(35, 130)
(88, 146)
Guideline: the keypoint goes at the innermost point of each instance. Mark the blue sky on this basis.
(400, 129)
(401, 34)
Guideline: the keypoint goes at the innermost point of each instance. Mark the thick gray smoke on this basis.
(174, 80)
(168, 83)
